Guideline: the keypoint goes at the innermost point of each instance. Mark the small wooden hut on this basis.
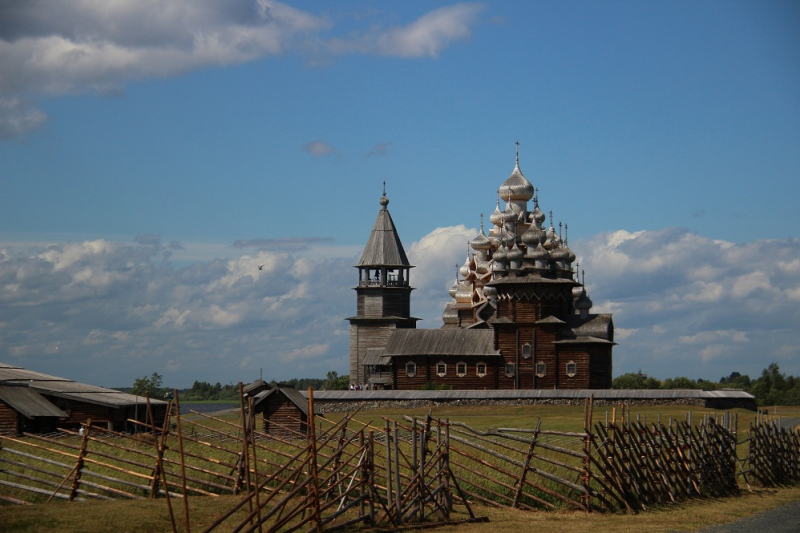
(284, 410)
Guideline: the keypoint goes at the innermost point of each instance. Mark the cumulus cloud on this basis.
(107, 312)
(427, 36)
(51, 48)
(728, 306)
(321, 149)
(435, 257)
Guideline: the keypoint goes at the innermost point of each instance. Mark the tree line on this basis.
(773, 387)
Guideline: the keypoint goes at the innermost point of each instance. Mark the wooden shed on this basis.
(24, 410)
(284, 410)
(81, 402)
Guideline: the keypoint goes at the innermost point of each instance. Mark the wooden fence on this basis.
(398, 471)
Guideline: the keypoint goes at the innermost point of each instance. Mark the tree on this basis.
(635, 380)
(149, 385)
(333, 381)
(680, 383)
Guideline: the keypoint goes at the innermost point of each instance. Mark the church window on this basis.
(510, 370)
(480, 369)
(572, 369)
(461, 369)
(541, 370)
(526, 351)
(411, 369)
(441, 369)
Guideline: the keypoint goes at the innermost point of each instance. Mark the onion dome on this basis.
(514, 255)
(570, 254)
(559, 254)
(516, 187)
(578, 291)
(464, 293)
(464, 271)
(583, 303)
(501, 255)
(537, 216)
(550, 242)
(481, 242)
(482, 267)
(497, 218)
(453, 290)
(539, 254)
(531, 237)
(490, 292)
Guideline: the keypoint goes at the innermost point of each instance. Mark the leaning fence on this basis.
(393, 472)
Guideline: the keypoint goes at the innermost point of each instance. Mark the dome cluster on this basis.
(518, 245)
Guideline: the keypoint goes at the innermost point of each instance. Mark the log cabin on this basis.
(284, 411)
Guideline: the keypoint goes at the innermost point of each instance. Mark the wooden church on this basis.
(519, 317)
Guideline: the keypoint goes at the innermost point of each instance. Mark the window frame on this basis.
(478, 369)
(459, 372)
(574, 366)
(513, 371)
(413, 369)
(541, 369)
(441, 365)
(527, 351)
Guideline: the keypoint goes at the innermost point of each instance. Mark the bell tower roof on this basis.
(384, 247)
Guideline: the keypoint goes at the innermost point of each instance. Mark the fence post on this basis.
(79, 463)
(312, 445)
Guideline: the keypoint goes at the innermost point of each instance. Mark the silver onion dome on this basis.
(516, 187)
(481, 242)
(531, 237)
(515, 255)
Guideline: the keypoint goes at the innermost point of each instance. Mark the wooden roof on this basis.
(290, 393)
(520, 394)
(384, 247)
(28, 403)
(441, 342)
(69, 389)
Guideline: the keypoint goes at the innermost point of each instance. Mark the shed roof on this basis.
(376, 356)
(441, 342)
(69, 389)
(598, 394)
(290, 393)
(28, 403)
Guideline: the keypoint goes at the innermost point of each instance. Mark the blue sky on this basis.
(154, 154)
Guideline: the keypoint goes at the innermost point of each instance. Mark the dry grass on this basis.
(151, 516)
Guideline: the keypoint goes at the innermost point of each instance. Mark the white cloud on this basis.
(51, 48)
(107, 312)
(321, 149)
(435, 257)
(719, 299)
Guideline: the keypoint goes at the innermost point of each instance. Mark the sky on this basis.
(154, 154)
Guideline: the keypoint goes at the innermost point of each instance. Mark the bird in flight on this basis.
(261, 267)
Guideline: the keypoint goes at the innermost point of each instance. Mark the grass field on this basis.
(152, 516)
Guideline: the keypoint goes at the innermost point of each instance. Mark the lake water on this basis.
(207, 407)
